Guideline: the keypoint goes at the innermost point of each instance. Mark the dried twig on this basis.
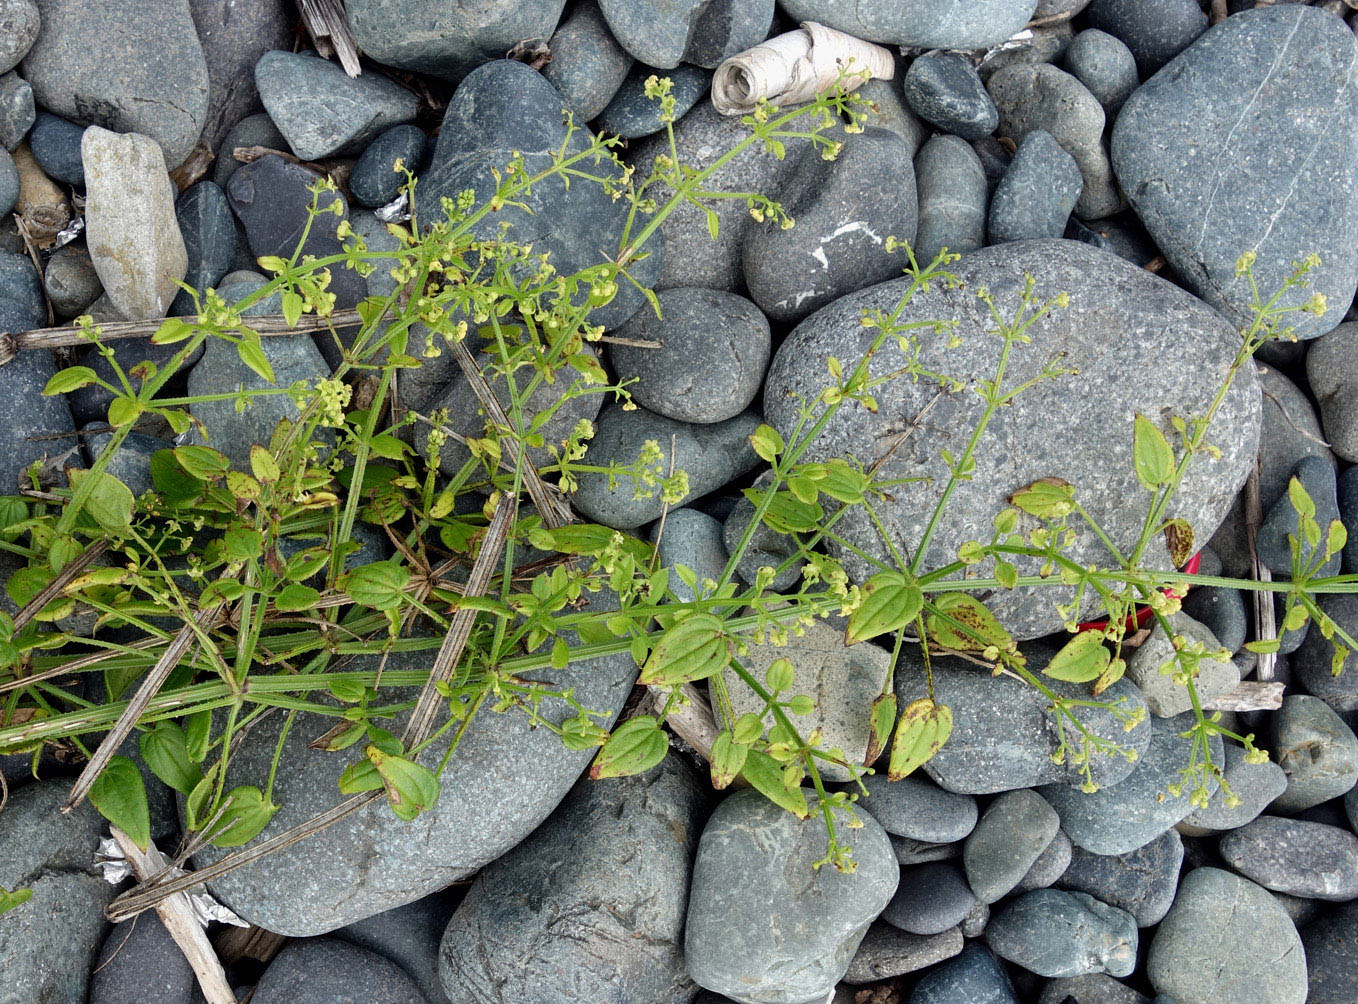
(1265, 621)
(1249, 695)
(328, 25)
(63, 578)
(254, 943)
(693, 722)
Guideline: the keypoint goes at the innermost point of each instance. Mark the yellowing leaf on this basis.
(693, 649)
(923, 729)
(1080, 660)
(635, 746)
(890, 601)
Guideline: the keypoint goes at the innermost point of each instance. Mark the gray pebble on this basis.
(55, 144)
(1329, 374)
(1049, 866)
(1104, 64)
(1331, 945)
(253, 130)
(322, 970)
(1092, 988)
(1348, 512)
(1314, 659)
(374, 180)
(588, 65)
(1038, 192)
(1154, 30)
(1012, 834)
(1256, 785)
(692, 539)
(235, 33)
(974, 976)
(767, 548)
(917, 808)
(1292, 856)
(1055, 933)
(9, 183)
(632, 115)
(1165, 696)
(930, 899)
(1316, 749)
(952, 198)
(1142, 881)
(141, 962)
(409, 936)
(924, 24)
(944, 89)
(70, 280)
(1222, 612)
(17, 110)
(886, 951)
(1316, 477)
(209, 232)
(19, 24)
(132, 463)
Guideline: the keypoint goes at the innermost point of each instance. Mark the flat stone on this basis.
(1012, 834)
(924, 24)
(1255, 785)
(883, 106)
(1316, 749)
(253, 130)
(973, 976)
(1092, 988)
(127, 67)
(886, 951)
(1222, 612)
(1142, 881)
(591, 906)
(1293, 856)
(1055, 933)
(19, 24)
(1331, 945)
(1226, 939)
(1037, 193)
(1314, 658)
(930, 899)
(1048, 431)
(321, 970)
(235, 33)
(1104, 64)
(691, 539)
(588, 65)
(26, 416)
(943, 88)
(1253, 125)
(917, 808)
(409, 936)
(660, 33)
(132, 463)
(632, 115)
(725, 28)
(764, 926)
(70, 281)
(141, 962)
(55, 144)
(1164, 695)
(1154, 30)
(130, 225)
(1328, 374)
(1348, 512)
(952, 198)
(1046, 43)
(1049, 866)
(21, 305)
(1316, 477)
(17, 110)
(209, 233)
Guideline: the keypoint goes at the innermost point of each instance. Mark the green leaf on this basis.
(693, 649)
(348, 691)
(245, 812)
(339, 737)
(241, 543)
(69, 379)
(787, 513)
(1152, 455)
(1006, 574)
(749, 727)
(120, 796)
(360, 776)
(166, 751)
(713, 224)
(1080, 660)
(1045, 498)
(1179, 541)
(171, 331)
(635, 746)
(890, 601)
(292, 307)
(110, 502)
(780, 676)
(844, 483)
(923, 729)
(10, 898)
(242, 486)
(379, 585)
(388, 447)
(767, 442)
(202, 462)
(728, 759)
(171, 480)
(411, 787)
(880, 722)
(305, 564)
(124, 411)
(196, 805)
(263, 464)
(294, 597)
(197, 732)
(252, 354)
(766, 776)
(962, 622)
(1301, 499)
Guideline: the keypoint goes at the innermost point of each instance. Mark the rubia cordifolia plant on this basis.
(227, 593)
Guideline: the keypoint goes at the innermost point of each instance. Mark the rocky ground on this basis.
(1123, 151)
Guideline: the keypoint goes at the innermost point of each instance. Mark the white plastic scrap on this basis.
(110, 858)
(395, 211)
(69, 232)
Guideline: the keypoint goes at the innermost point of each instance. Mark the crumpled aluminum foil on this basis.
(114, 864)
(395, 211)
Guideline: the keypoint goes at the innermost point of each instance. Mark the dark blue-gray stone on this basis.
(1254, 127)
(19, 25)
(1316, 749)
(1227, 939)
(726, 28)
(1142, 881)
(55, 144)
(90, 403)
(715, 347)
(588, 65)
(1092, 988)
(374, 180)
(321, 110)
(1221, 611)
(1154, 30)
(591, 906)
(973, 977)
(209, 231)
(952, 198)
(28, 418)
(924, 24)
(883, 105)
(1331, 945)
(1038, 192)
(944, 88)
(253, 130)
(1296, 857)
(17, 111)
(1255, 785)
(409, 936)
(70, 281)
(1049, 865)
(1104, 64)
(1055, 933)
(1316, 477)
(325, 970)
(1329, 373)
(1046, 43)
(632, 115)
(141, 962)
(235, 33)
(995, 159)
(21, 303)
(930, 899)
(845, 211)
(1348, 512)
(764, 926)
(1313, 661)
(432, 36)
(126, 67)
(916, 808)
(711, 455)
(692, 539)
(9, 183)
(886, 951)
(661, 33)
(132, 463)
(1012, 834)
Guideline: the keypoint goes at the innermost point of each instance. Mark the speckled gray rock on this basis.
(925, 24)
(9, 183)
(1131, 813)
(1104, 64)
(887, 951)
(209, 232)
(1316, 476)
(918, 852)
(952, 198)
(130, 225)
(26, 416)
(1293, 856)
(1316, 749)
(1331, 380)
(19, 23)
(711, 455)
(1055, 933)
(764, 927)
(1003, 736)
(49, 944)
(1049, 866)
(632, 115)
(430, 36)
(1331, 945)
(321, 110)
(1164, 695)
(843, 681)
(692, 539)
(1092, 988)
(591, 906)
(70, 280)
(1221, 611)
(930, 899)
(1226, 939)
(141, 962)
(1285, 189)
(409, 936)
(845, 209)
(321, 970)
(1045, 43)
(692, 257)
(21, 303)
(1142, 881)
(973, 976)
(1038, 192)
(235, 33)
(253, 130)
(374, 180)
(1154, 30)
(1256, 785)
(55, 144)
(1039, 96)
(1049, 431)
(943, 88)
(1313, 662)
(132, 463)
(715, 347)
(660, 33)
(1348, 512)
(126, 67)
(915, 807)
(17, 110)
(1012, 834)
(767, 547)
(886, 109)
(588, 65)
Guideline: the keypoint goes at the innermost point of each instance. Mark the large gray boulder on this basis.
(926, 24)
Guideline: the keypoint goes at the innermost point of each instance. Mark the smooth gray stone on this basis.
(660, 33)
(591, 906)
(1329, 374)
(692, 539)
(727, 27)
(1092, 988)
(235, 33)
(21, 302)
(764, 927)
(588, 65)
(28, 417)
(883, 106)
(17, 110)
(952, 198)
(1331, 945)
(1131, 813)
(429, 36)
(1256, 785)
(19, 24)
(1164, 695)
(1154, 30)
(379, 283)
(409, 936)
(132, 463)
(995, 160)
(141, 962)
(1221, 611)
(90, 403)
(715, 347)
(1033, 96)
(9, 183)
(127, 67)
(711, 455)
(930, 899)
(1049, 866)
(70, 281)
(1296, 857)
(1142, 881)
(1104, 64)
(1313, 661)
(974, 976)
(944, 89)
(1011, 836)
(1316, 749)
(1046, 43)
(1316, 476)
(253, 130)
(632, 115)
(1254, 126)
(49, 944)
(1227, 939)
(916, 808)
(55, 144)
(692, 257)
(1348, 512)
(324, 970)
(374, 180)
(324, 112)
(1055, 933)
(209, 232)
(1038, 192)
(924, 24)
(845, 211)
(1119, 321)
(975, 924)
(886, 951)
(767, 548)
